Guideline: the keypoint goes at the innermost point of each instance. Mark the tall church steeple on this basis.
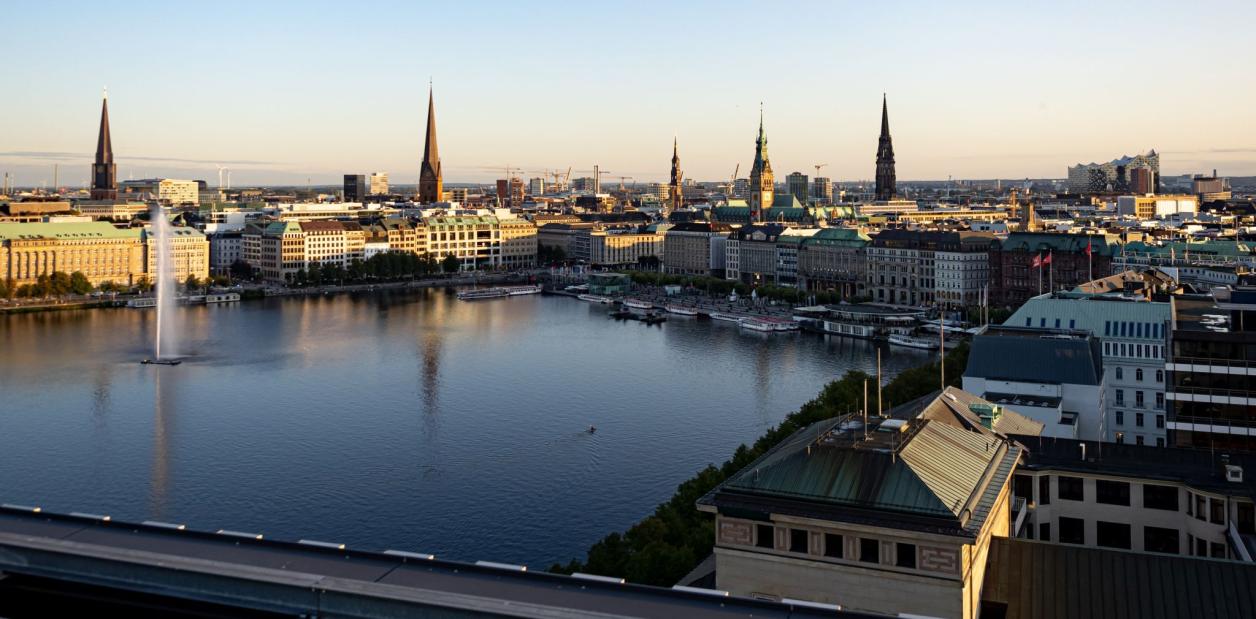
(430, 185)
(762, 182)
(104, 171)
(675, 197)
(885, 157)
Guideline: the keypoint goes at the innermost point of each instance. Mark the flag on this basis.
(1047, 260)
(1088, 249)
(1037, 263)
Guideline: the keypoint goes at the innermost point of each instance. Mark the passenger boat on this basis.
(681, 310)
(222, 297)
(593, 298)
(767, 324)
(497, 293)
(142, 302)
(725, 316)
(912, 342)
(638, 304)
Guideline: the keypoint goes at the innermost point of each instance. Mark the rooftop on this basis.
(1050, 356)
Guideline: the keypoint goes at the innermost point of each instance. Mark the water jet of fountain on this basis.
(165, 341)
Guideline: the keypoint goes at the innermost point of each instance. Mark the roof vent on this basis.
(1234, 473)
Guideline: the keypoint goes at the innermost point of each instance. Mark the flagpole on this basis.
(1051, 271)
(1039, 274)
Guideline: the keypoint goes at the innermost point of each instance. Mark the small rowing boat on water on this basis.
(681, 310)
(913, 342)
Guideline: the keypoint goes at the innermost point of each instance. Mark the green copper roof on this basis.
(67, 231)
(1233, 249)
(1102, 245)
(838, 237)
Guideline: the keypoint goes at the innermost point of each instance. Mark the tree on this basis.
(143, 283)
(58, 284)
(191, 282)
(6, 289)
(315, 274)
(451, 264)
(241, 270)
(79, 283)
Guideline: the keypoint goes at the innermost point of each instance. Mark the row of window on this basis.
(1155, 496)
(1138, 351)
(1139, 401)
(1138, 374)
(1138, 417)
(1146, 330)
(869, 549)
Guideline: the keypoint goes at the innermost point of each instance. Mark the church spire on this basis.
(675, 197)
(104, 172)
(762, 182)
(430, 182)
(885, 157)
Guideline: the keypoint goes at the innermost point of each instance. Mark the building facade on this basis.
(519, 243)
(695, 248)
(1113, 175)
(474, 240)
(1015, 279)
(618, 247)
(97, 249)
(1212, 371)
(834, 259)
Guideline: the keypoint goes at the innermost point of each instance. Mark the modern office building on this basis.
(536, 187)
(1142, 180)
(519, 243)
(1132, 332)
(379, 184)
(475, 240)
(168, 191)
(796, 184)
(355, 188)
(1054, 377)
(1210, 188)
(695, 248)
(1212, 370)
(1156, 207)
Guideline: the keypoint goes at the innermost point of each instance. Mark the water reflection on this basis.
(163, 411)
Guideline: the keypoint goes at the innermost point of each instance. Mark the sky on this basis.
(284, 92)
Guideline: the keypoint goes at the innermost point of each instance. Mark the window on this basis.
(1201, 508)
(1138, 419)
(905, 555)
(869, 550)
(1023, 487)
(798, 540)
(1044, 490)
(1112, 492)
(1157, 539)
(1201, 547)
(1159, 441)
(1107, 349)
(1120, 397)
(833, 545)
(1160, 405)
(1120, 374)
(1044, 531)
(1107, 328)
(1072, 324)
(1218, 550)
(1138, 375)
(1160, 376)
(1138, 400)
(1069, 488)
(764, 536)
(1156, 496)
(1160, 420)
(1057, 323)
(1120, 438)
(1138, 439)
(1072, 531)
(1120, 418)
(1218, 511)
(1245, 517)
(1112, 534)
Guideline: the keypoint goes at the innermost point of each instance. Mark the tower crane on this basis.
(818, 166)
(732, 182)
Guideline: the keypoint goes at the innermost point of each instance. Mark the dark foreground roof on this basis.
(1042, 580)
(241, 571)
(1036, 356)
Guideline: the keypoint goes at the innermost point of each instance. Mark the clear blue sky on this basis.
(285, 91)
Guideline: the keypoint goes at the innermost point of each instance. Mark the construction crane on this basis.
(622, 179)
(818, 166)
(732, 182)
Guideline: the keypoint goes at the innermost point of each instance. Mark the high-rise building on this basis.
(822, 189)
(762, 182)
(104, 171)
(1210, 188)
(510, 192)
(430, 185)
(379, 183)
(675, 193)
(355, 187)
(536, 186)
(797, 184)
(1142, 181)
(885, 157)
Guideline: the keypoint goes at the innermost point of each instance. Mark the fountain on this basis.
(165, 344)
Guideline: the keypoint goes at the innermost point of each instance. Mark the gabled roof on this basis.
(960, 408)
(921, 473)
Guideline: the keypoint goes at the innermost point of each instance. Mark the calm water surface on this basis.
(408, 420)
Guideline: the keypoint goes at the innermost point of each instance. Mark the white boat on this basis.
(681, 310)
(912, 342)
(638, 304)
(142, 302)
(496, 293)
(593, 298)
(724, 316)
(222, 297)
(863, 331)
(768, 324)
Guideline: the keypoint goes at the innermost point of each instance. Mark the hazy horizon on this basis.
(280, 94)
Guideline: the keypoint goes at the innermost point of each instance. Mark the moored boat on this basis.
(912, 342)
(768, 324)
(681, 310)
(638, 304)
(593, 298)
(725, 316)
